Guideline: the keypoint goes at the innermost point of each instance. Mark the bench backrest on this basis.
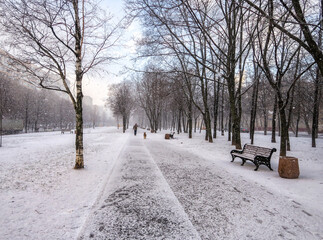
(250, 149)
(255, 150)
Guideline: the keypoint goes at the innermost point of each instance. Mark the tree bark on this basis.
(283, 129)
(315, 108)
(222, 111)
(79, 162)
(190, 120)
(254, 101)
(289, 120)
(265, 121)
(273, 130)
(179, 128)
(215, 106)
(124, 123)
(229, 127)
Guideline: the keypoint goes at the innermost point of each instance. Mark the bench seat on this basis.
(257, 155)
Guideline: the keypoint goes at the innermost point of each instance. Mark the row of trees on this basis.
(121, 102)
(255, 56)
(42, 109)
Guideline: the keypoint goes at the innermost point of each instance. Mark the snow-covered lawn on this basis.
(133, 188)
(41, 196)
(307, 189)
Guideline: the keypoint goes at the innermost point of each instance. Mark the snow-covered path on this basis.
(133, 188)
(138, 203)
(162, 191)
(223, 206)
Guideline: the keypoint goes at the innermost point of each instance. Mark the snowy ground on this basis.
(133, 188)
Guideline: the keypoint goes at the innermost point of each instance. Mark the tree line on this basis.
(231, 63)
(40, 109)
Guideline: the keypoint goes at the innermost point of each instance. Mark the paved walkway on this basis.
(222, 206)
(160, 192)
(138, 203)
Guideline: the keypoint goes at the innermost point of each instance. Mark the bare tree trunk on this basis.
(222, 111)
(124, 123)
(190, 120)
(208, 126)
(179, 128)
(229, 128)
(315, 108)
(306, 121)
(26, 118)
(215, 106)
(253, 113)
(297, 121)
(289, 120)
(79, 162)
(284, 129)
(206, 132)
(279, 126)
(241, 70)
(273, 130)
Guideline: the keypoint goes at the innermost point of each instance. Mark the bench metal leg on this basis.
(243, 162)
(270, 167)
(233, 157)
(257, 164)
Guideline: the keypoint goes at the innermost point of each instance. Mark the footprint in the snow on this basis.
(259, 221)
(236, 190)
(308, 214)
(296, 203)
(246, 200)
(270, 213)
(101, 228)
(287, 230)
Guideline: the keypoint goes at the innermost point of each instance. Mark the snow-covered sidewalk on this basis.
(222, 205)
(138, 203)
(133, 188)
(174, 190)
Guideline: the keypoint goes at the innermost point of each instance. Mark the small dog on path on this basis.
(145, 135)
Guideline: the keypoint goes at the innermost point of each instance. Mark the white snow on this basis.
(41, 196)
(133, 188)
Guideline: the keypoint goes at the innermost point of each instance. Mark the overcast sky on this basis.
(97, 86)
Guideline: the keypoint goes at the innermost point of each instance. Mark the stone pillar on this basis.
(288, 167)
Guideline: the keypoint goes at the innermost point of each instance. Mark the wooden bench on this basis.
(67, 130)
(169, 135)
(257, 155)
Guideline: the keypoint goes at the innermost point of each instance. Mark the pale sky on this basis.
(97, 86)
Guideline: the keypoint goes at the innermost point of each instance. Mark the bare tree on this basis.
(121, 101)
(56, 43)
(280, 62)
(152, 91)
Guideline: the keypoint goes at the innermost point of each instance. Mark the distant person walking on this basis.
(135, 129)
